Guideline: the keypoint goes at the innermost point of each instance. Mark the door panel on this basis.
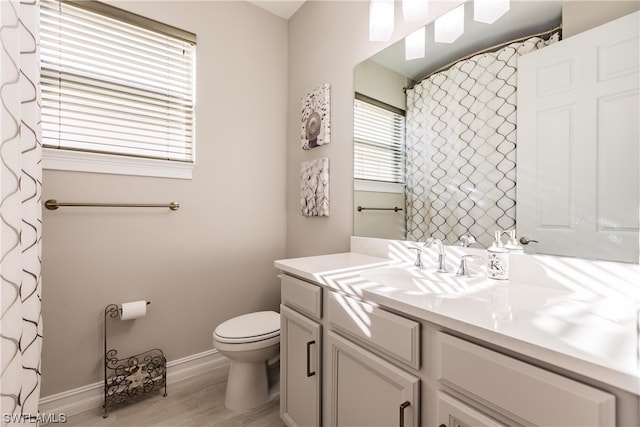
(369, 391)
(300, 378)
(578, 185)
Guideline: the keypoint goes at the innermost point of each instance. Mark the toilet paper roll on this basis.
(133, 310)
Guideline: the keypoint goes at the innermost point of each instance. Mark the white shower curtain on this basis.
(20, 211)
(461, 147)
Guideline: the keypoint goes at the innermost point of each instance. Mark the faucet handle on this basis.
(418, 263)
(466, 240)
(463, 270)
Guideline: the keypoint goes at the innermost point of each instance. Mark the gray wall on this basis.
(209, 261)
(326, 41)
(580, 15)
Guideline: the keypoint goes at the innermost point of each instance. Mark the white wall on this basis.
(383, 224)
(326, 41)
(209, 261)
(380, 83)
(581, 15)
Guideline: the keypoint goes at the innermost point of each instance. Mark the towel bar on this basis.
(53, 204)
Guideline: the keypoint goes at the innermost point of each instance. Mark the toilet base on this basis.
(247, 386)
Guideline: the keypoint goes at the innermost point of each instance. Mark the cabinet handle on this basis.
(402, 408)
(309, 373)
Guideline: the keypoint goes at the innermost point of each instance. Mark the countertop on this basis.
(588, 332)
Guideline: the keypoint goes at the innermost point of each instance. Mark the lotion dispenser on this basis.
(498, 259)
(513, 246)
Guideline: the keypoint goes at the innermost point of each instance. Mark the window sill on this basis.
(377, 186)
(76, 161)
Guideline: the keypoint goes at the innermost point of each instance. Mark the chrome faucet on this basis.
(463, 269)
(418, 263)
(442, 265)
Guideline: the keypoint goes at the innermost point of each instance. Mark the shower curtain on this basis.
(461, 147)
(20, 212)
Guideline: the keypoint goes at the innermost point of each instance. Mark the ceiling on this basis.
(282, 8)
(525, 17)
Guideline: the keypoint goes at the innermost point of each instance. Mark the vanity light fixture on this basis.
(489, 11)
(449, 26)
(413, 10)
(381, 20)
(414, 44)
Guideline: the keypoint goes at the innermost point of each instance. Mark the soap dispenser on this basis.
(513, 246)
(498, 259)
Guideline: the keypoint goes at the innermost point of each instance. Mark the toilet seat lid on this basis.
(250, 327)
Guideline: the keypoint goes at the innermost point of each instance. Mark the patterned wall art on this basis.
(316, 127)
(314, 187)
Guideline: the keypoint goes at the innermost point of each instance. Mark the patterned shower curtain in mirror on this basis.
(461, 147)
(20, 211)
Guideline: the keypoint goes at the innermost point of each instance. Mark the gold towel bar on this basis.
(395, 209)
(53, 204)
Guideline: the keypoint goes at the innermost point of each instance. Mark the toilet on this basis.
(249, 341)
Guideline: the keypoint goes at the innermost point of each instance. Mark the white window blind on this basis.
(116, 83)
(378, 142)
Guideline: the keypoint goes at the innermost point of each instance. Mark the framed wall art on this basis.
(314, 187)
(316, 127)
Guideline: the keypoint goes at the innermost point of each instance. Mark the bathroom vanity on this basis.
(369, 339)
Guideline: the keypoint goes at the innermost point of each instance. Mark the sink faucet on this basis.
(442, 266)
(463, 270)
(418, 263)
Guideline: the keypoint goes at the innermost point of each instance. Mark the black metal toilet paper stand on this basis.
(133, 377)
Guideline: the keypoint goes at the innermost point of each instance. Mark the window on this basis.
(378, 141)
(117, 91)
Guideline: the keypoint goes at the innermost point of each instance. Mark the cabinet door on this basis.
(300, 369)
(369, 391)
(453, 413)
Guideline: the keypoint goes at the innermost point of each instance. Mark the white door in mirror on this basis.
(578, 139)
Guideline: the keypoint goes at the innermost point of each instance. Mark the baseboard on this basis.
(91, 396)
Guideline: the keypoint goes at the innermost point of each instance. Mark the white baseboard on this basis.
(91, 396)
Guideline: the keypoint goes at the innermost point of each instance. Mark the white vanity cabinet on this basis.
(513, 390)
(357, 356)
(364, 378)
(368, 346)
(300, 350)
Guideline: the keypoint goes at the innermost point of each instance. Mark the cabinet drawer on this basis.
(532, 394)
(303, 296)
(386, 332)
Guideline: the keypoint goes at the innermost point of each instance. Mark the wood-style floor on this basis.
(194, 402)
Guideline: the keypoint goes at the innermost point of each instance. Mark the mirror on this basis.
(382, 78)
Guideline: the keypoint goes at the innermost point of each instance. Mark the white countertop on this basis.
(585, 331)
